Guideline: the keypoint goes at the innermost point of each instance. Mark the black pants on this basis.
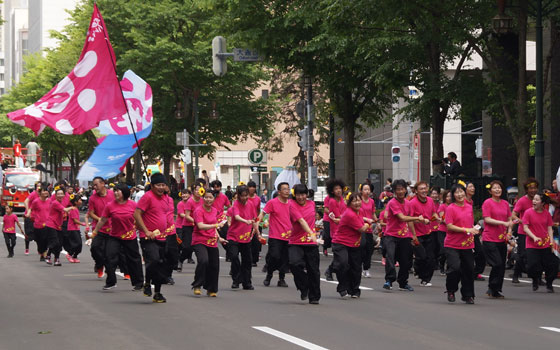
(367, 246)
(327, 235)
(223, 234)
(347, 264)
(496, 253)
(41, 238)
(155, 262)
(424, 257)
(54, 242)
(441, 252)
(256, 247)
(10, 239)
(240, 269)
(28, 228)
(186, 249)
(207, 267)
(479, 258)
(460, 268)
(304, 264)
(171, 253)
(539, 261)
(66, 244)
(74, 242)
(277, 257)
(521, 257)
(97, 249)
(397, 249)
(113, 248)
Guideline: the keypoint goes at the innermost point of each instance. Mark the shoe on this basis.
(76, 260)
(550, 289)
(137, 288)
(147, 290)
(388, 285)
(426, 284)
(451, 297)
(303, 294)
(282, 283)
(497, 295)
(479, 278)
(48, 260)
(109, 287)
(328, 275)
(212, 294)
(326, 252)
(515, 279)
(366, 274)
(235, 285)
(127, 277)
(179, 266)
(10, 255)
(190, 261)
(57, 262)
(159, 298)
(535, 287)
(542, 283)
(170, 281)
(469, 300)
(354, 296)
(407, 287)
(27, 252)
(69, 257)
(42, 258)
(314, 302)
(100, 273)
(249, 287)
(266, 281)
(254, 264)
(442, 272)
(265, 268)
(343, 294)
(197, 291)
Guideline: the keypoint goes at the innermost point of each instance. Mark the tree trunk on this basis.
(138, 168)
(166, 166)
(438, 123)
(349, 164)
(129, 173)
(522, 148)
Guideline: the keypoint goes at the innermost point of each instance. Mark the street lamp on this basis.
(502, 23)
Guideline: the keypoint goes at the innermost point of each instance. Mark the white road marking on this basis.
(553, 329)
(300, 342)
(335, 282)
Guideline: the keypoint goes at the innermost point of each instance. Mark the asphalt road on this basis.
(48, 307)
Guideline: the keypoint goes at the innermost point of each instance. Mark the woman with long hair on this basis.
(194, 202)
(54, 224)
(337, 206)
(524, 203)
(442, 230)
(368, 213)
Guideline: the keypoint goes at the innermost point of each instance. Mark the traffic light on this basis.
(302, 143)
(219, 63)
(396, 154)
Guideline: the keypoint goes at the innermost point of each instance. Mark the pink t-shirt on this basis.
(256, 201)
(279, 219)
(55, 215)
(32, 196)
(40, 212)
(538, 224)
(337, 208)
(220, 203)
(497, 211)
(326, 206)
(442, 209)
(367, 210)
(427, 211)
(460, 217)
(382, 220)
(9, 223)
(97, 204)
(396, 227)
(348, 233)
(154, 214)
(170, 230)
(206, 237)
(307, 212)
(122, 219)
(73, 214)
(522, 205)
(191, 206)
(240, 231)
(180, 210)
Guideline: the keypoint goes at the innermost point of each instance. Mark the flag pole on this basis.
(123, 98)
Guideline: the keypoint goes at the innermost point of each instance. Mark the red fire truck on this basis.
(17, 183)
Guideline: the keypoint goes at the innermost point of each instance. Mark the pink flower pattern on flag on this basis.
(89, 94)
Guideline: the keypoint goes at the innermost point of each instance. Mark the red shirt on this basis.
(17, 150)
(73, 214)
(122, 219)
(326, 206)
(307, 212)
(239, 231)
(40, 212)
(154, 214)
(170, 230)
(497, 211)
(538, 224)
(220, 203)
(97, 204)
(191, 206)
(337, 208)
(460, 217)
(427, 211)
(396, 227)
(9, 223)
(522, 205)
(180, 210)
(279, 219)
(348, 232)
(206, 237)
(256, 201)
(55, 215)
(367, 210)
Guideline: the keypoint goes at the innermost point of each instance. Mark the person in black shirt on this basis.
(453, 167)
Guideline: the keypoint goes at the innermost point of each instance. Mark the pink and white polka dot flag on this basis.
(86, 96)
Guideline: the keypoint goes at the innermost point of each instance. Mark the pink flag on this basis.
(88, 95)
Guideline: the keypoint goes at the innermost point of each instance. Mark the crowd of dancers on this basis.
(421, 230)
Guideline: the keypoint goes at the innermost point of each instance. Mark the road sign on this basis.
(219, 63)
(182, 138)
(257, 156)
(258, 169)
(186, 156)
(245, 55)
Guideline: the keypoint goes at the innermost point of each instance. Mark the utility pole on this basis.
(331, 147)
(539, 142)
(311, 170)
(195, 110)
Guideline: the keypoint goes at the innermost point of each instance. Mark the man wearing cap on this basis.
(152, 222)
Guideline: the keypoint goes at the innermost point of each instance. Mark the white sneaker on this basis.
(366, 274)
(425, 284)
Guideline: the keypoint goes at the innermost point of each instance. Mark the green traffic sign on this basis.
(257, 156)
